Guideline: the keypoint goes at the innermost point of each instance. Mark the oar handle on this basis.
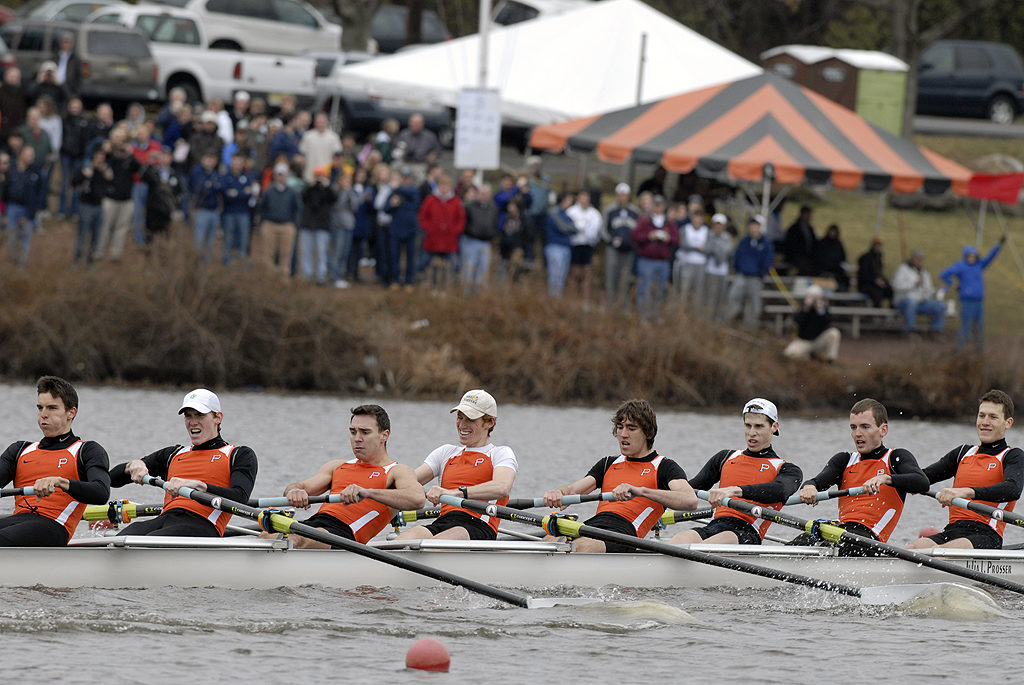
(283, 501)
(828, 494)
(529, 503)
(984, 509)
(15, 492)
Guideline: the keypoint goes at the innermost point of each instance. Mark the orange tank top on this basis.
(469, 468)
(642, 512)
(213, 467)
(365, 518)
(742, 469)
(33, 464)
(978, 470)
(879, 512)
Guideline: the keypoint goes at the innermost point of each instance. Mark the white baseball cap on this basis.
(759, 405)
(719, 218)
(477, 403)
(622, 189)
(202, 400)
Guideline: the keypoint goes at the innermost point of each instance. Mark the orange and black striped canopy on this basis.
(739, 127)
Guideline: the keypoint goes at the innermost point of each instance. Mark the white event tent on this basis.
(578, 63)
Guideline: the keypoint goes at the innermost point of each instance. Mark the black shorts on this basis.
(981, 535)
(175, 522)
(745, 532)
(28, 529)
(582, 255)
(330, 524)
(606, 520)
(477, 529)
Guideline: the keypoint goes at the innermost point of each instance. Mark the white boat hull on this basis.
(243, 563)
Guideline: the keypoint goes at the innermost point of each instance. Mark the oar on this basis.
(120, 512)
(529, 503)
(836, 534)
(560, 525)
(283, 501)
(828, 494)
(991, 512)
(284, 524)
(672, 516)
(14, 492)
(409, 515)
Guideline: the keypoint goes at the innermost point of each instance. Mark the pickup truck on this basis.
(178, 43)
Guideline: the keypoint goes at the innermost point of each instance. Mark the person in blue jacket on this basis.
(403, 205)
(971, 287)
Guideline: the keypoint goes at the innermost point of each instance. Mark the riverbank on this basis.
(168, 319)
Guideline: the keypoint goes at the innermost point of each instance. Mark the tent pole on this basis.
(766, 190)
(982, 211)
(631, 167)
(878, 214)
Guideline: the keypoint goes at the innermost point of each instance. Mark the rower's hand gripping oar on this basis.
(978, 507)
(835, 534)
(672, 516)
(530, 502)
(557, 524)
(269, 520)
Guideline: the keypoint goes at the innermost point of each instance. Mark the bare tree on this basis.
(355, 17)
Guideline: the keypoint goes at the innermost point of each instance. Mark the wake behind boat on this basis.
(247, 563)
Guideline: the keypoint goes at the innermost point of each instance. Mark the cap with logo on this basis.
(759, 405)
(477, 403)
(202, 400)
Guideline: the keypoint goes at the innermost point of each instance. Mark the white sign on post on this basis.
(478, 129)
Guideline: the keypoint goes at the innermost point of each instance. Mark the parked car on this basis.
(971, 78)
(364, 113)
(178, 42)
(508, 12)
(274, 26)
(62, 10)
(116, 61)
(389, 28)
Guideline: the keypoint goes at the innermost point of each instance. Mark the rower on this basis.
(756, 474)
(474, 469)
(642, 481)
(990, 472)
(372, 486)
(886, 475)
(209, 464)
(65, 472)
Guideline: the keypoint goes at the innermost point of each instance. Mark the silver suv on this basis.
(116, 61)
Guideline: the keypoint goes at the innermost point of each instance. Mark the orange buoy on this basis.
(928, 531)
(428, 654)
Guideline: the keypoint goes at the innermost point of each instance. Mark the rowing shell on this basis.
(245, 562)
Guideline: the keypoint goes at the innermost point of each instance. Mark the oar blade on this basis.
(548, 602)
(945, 600)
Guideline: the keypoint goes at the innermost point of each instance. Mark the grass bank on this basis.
(170, 320)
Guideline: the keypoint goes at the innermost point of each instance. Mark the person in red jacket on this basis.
(443, 219)
(65, 473)
(643, 482)
(373, 487)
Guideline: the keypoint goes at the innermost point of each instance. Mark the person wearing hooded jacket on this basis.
(971, 288)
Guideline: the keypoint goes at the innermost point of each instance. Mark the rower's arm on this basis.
(946, 466)
(94, 488)
(831, 475)
(778, 490)
(403, 492)
(497, 487)
(553, 498)
(679, 495)
(155, 463)
(907, 476)
(243, 476)
(9, 461)
(424, 474)
(710, 473)
(1010, 489)
(298, 492)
